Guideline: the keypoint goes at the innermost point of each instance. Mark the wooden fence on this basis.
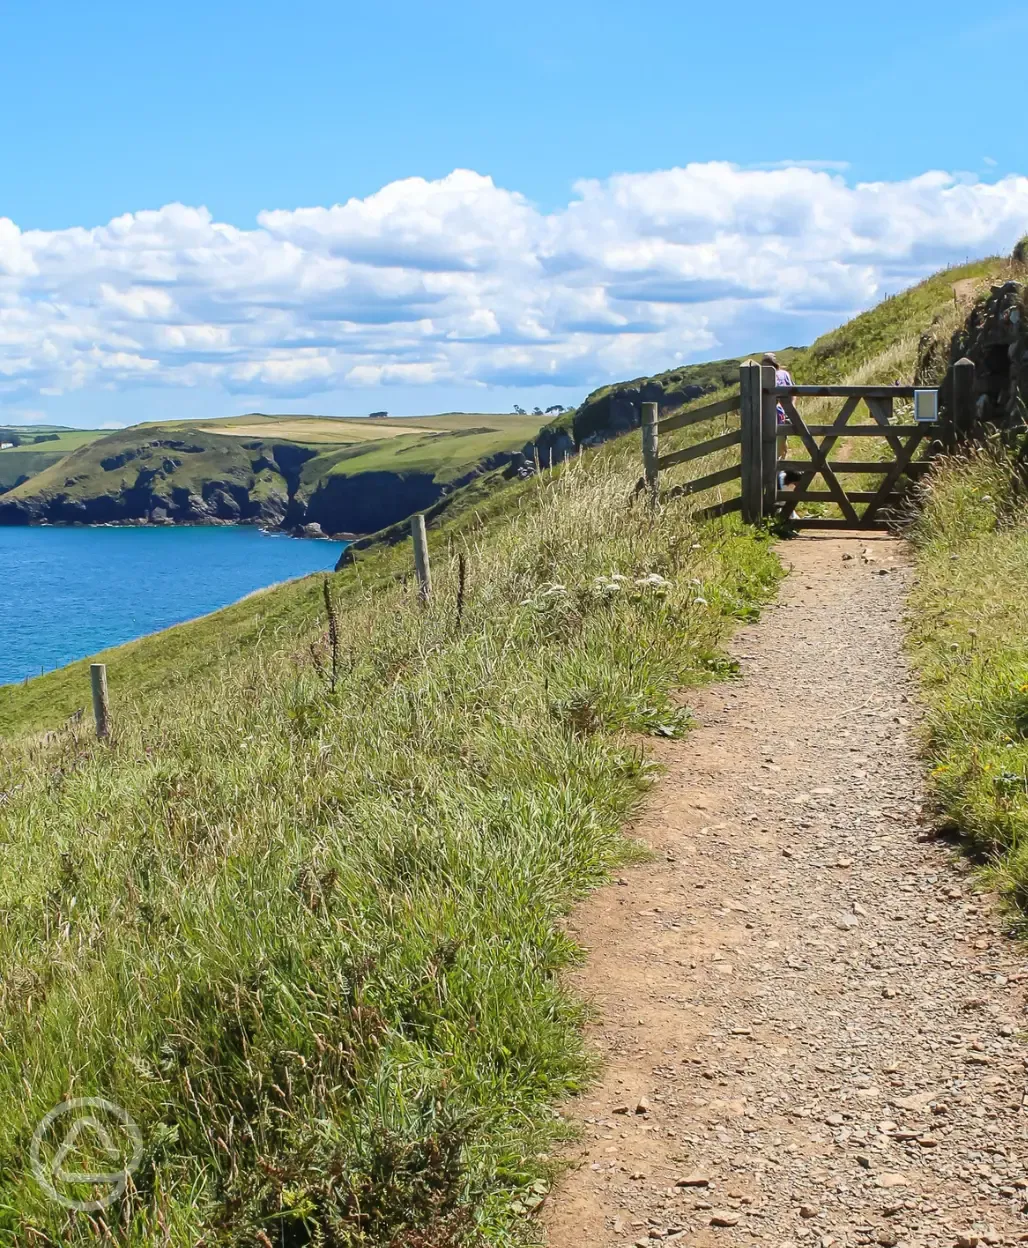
(654, 463)
(768, 413)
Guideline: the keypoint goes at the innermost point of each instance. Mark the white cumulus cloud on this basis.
(461, 281)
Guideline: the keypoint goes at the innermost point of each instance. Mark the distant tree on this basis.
(537, 411)
(555, 407)
(379, 415)
(519, 411)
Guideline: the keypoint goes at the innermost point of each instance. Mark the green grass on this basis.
(19, 463)
(313, 941)
(968, 628)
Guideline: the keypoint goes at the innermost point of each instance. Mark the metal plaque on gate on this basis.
(926, 406)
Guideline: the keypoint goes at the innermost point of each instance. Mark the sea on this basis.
(66, 593)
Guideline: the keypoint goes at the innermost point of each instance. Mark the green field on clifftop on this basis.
(19, 463)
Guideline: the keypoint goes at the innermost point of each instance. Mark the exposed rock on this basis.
(995, 338)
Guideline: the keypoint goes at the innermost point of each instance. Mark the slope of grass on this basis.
(112, 464)
(302, 919)
(968, 629)
(19, 463)
(445, 455)
(899, 319)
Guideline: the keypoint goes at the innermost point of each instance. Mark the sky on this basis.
(218, 207)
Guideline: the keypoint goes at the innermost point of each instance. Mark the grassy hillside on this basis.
(39, 447)
(347, 475)
(969, 640)
(306, 929)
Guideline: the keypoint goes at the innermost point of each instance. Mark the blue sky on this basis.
(244, 109)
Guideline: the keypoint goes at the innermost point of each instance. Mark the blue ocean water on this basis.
(66, 593)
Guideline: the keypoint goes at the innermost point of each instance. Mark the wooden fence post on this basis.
(749, 424)
(768, 439)
(947, 430)
(649, 430)
(422, 567)
(963, 399)
(101, 705)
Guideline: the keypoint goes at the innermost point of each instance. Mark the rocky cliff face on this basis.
(143, 483)
(167, 480)
(995, 337)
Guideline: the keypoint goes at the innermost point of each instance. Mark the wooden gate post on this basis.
(749, 425)
(947, 430)
(649, 432)
(963, 399)
(422, 567)
(101, 704)
(768, 439)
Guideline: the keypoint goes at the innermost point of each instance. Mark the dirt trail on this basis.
(809, 1018)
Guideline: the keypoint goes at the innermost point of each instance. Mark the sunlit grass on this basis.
(969, 640)
(312, 942)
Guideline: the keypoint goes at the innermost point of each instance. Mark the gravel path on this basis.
(811, 1022)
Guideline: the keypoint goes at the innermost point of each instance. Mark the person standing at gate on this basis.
(782, 378)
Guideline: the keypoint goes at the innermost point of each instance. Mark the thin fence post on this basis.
(768, 439)
(101, 705)
(963, 399)
(422, 567)
(749, 423)
(649, 434)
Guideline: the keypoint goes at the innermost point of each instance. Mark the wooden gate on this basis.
(757, 431)
(819, 440)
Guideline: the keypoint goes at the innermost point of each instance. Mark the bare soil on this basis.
(964, 290)
(810, 1019)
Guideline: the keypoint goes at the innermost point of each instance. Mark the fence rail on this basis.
(721, 477)
(698, 451)
(654, 463)
(684, 419)
(848, 392)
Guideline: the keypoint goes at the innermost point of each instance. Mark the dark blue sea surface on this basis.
(66, 593)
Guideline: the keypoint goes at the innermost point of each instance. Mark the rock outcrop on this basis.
(995, 338)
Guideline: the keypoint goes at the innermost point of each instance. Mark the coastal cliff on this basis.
(314, 475)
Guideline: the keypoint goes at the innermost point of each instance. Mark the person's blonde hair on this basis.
(770, 358)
